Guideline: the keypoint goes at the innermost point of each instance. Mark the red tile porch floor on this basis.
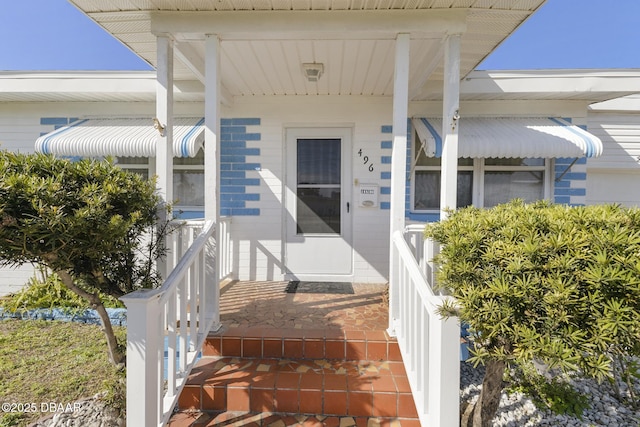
(298, 359)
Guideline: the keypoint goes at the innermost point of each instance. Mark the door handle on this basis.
(347, 207)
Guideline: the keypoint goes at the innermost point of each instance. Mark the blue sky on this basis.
(53, 35)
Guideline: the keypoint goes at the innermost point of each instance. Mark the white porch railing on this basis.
(430, 345)
(177, 316)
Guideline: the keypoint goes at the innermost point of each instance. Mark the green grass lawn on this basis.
(44, 362)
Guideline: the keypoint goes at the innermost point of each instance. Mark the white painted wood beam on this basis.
(212, 169)
(429, 65)
(398, 166)
(451, 118)
(195, 63)
(426, 23)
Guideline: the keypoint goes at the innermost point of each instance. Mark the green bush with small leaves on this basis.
(91, 223)
(51, 293)
(553, 284)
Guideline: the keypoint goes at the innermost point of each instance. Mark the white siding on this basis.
(613, 187)
(258, 239)
(614, 177)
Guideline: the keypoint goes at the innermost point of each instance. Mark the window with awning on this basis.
(121, 137)
(500, 159)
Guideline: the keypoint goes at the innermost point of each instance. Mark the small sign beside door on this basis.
(368, 195)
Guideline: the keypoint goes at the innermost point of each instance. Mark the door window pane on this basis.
(318, 210)
(318, 186)
(318, 161)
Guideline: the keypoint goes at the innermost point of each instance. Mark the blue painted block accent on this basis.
(225, 211)
(233, 159)
(385, 160)
(385, 205)
(386, 144)
(249, 151)
(562, 184)
(558, 169)
(385, 190)
(234, 152)
(233, 174)
(232, 204)
(570, 192)
(564, 160)
(54, 121)
(245, 212)
(245, 166)
(240, 151)
(240, 181)
(233, 144)
(232, 189)
(385, 175)
(386, 129)
(245, 121)
(234, 129)
(423, 216)
(563, 200)
(247, 137)
(574, 176)
(254, 197)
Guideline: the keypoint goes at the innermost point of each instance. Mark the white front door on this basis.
(318, 204)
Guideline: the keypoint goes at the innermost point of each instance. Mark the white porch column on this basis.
(398, 165)
(164, 118)
(450, 120)
(212, 170)
(164, 115)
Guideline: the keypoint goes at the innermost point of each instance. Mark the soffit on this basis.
(353, 66)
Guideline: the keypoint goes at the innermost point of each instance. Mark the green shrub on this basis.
(51, 293)
(90, 222)
(548, 283)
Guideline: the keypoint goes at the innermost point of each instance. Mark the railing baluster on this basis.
(182, 337)
(171, 343)
(193, 307)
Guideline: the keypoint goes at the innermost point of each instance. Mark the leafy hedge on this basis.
(547, 283)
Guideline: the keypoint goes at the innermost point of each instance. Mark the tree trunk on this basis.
(115, 356)
(481, 413)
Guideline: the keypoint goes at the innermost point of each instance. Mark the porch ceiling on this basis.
(352, 38)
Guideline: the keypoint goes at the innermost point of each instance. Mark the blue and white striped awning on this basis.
(507, 137)
(125, 137)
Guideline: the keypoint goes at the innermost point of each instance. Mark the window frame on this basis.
(478, 182)
(149, 166)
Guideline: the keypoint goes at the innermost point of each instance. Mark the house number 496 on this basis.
(365, 160)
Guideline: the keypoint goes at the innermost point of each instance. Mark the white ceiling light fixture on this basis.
(313, 70)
